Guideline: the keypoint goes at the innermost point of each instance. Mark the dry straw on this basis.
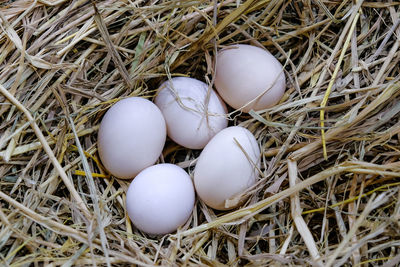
(328, 193)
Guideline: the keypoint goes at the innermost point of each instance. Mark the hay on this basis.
(328, 192)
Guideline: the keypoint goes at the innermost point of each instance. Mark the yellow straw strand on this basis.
(331, 82)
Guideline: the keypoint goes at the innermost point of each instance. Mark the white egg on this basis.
(190, 121)
(248, 77)
(227, 166)
(160, 199)
(131, 137)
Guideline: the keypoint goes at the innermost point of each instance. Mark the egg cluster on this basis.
(133, 132)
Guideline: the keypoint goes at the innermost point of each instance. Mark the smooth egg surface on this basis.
(190, 121)
(248, 77)
(227, 166)
(131, 137)
(160, 199)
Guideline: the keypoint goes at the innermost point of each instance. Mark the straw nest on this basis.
(328, 194)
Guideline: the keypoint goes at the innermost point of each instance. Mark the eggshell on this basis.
(131, 137)
(227, 166)
(249, 74)
(190, 122)
(160, 199)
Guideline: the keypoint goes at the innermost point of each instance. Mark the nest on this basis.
(328, 194)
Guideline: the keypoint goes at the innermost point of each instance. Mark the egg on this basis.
(190, 121)
(248, 77)
(227, 166)
(131, 136)
(160, 199)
